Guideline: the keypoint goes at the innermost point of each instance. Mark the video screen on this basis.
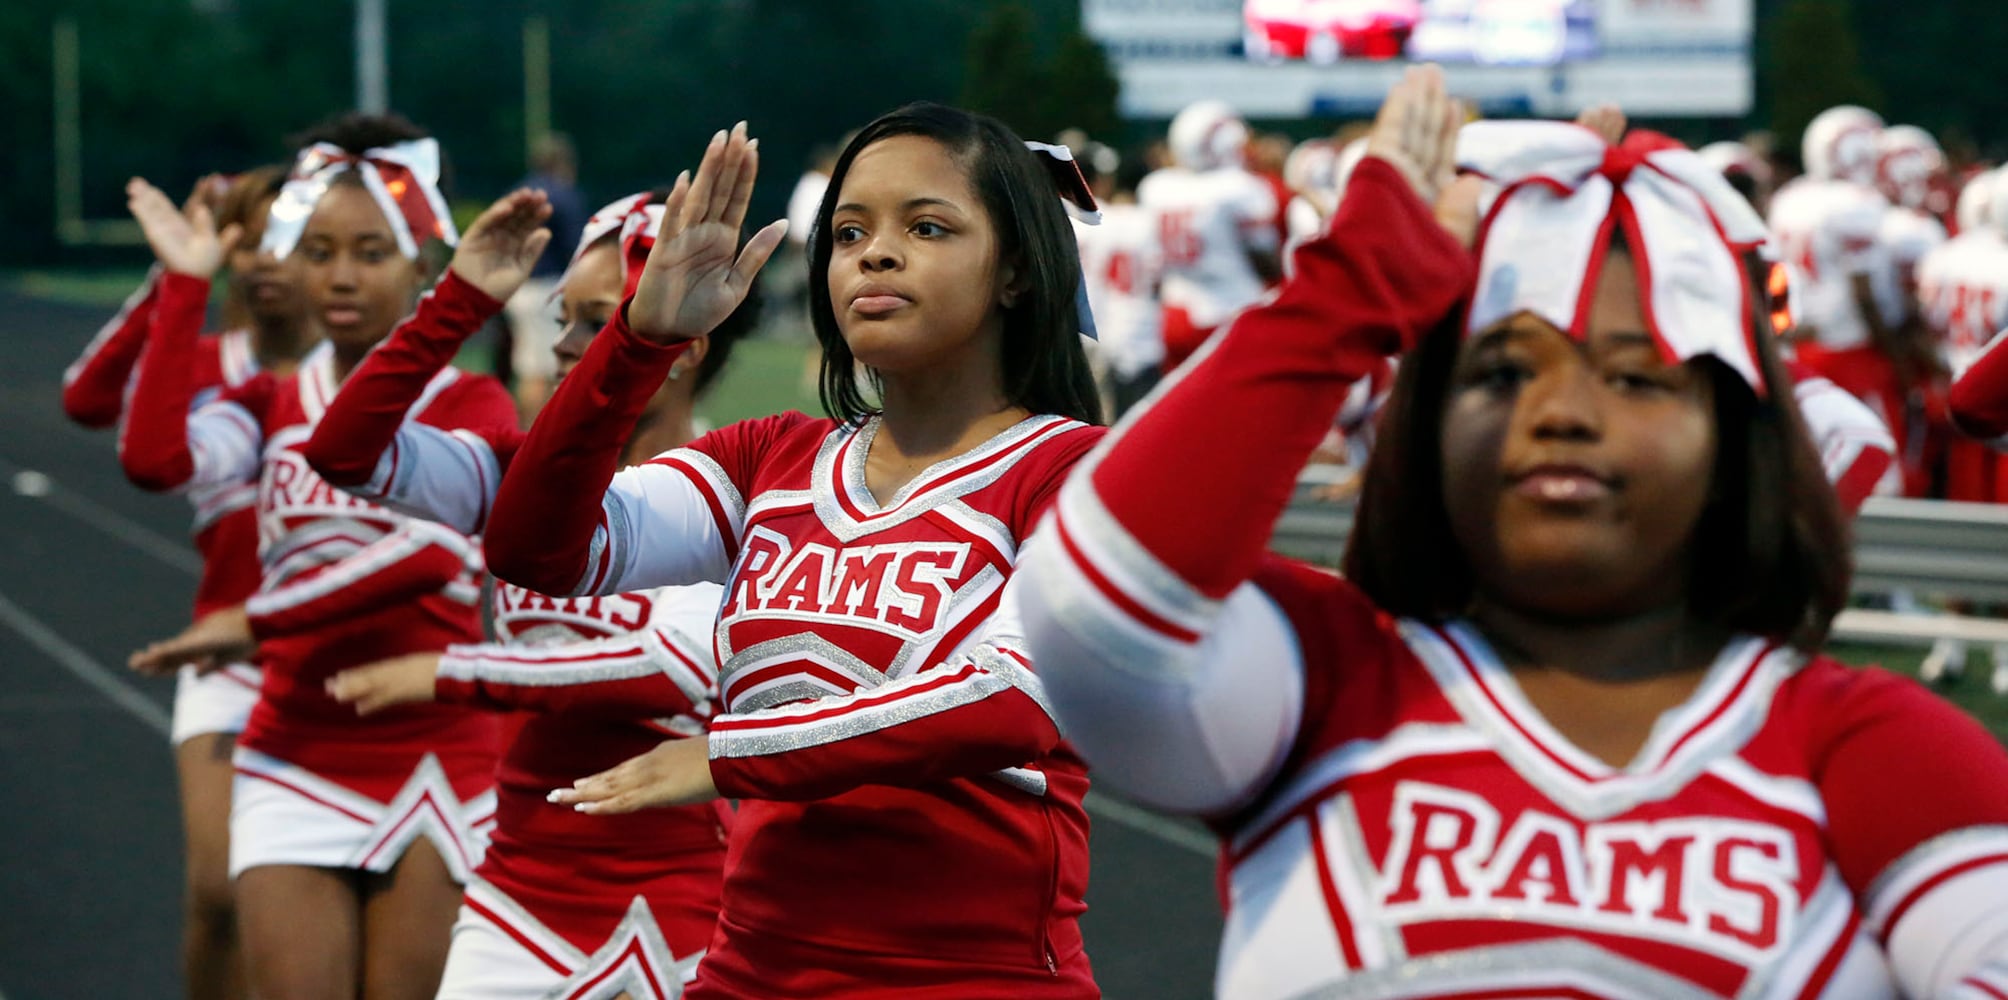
(1489, 32)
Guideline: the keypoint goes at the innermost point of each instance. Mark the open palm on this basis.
(185, 239)
(497, 252)
(697, 273)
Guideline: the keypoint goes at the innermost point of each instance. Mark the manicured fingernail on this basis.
(553, 797)
(718, 137)
(752, 144)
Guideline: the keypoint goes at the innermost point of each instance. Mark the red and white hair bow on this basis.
(633, 221)
(1557, 191)
(403, 180)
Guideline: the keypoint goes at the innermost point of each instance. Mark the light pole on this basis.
(372, 66)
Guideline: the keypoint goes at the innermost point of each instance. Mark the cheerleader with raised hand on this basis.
(564, 904)
(348, 837)
(910, 821)
(1563, 728)
(210, 709)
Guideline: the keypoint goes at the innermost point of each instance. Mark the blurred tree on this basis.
(1001, 72)
(1814, 64)
(1934, 64)
(1082, 89)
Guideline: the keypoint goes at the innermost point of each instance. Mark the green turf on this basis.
(764, 376)
(1971, 691)
(107, 287)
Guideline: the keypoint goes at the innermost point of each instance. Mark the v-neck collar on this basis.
(848, 508)
(1725, 710)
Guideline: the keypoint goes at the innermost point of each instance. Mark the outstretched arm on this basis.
(94, 385)
(554, 522)
(982, 712)
(161, 446)
(656, 673)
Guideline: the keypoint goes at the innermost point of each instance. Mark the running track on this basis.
(90, 871)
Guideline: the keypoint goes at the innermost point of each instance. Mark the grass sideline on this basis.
(105, 287)
(771, 375)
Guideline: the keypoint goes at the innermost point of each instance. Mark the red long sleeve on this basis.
(94, 385)
(1382, 275)
(154, 447)
(548, 506)
(1979, 399)
(409, 563)
(362, 422)
(643, 675)
(1004, 729)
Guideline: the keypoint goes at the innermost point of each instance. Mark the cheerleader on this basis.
(1562, 729)
(910, 821)
(348, 838)
(209, 709)
(564, 904)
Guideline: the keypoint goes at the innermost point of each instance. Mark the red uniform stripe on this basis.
(520, 938)
(1142, 615)
(1341, 923)
(1910, 899)
(1822, 973)
(727, 535)
(303, 793)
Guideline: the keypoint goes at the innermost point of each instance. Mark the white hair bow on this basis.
(1555, 193)
(402, 179)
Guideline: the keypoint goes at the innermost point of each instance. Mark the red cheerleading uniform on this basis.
(225, 525)
(599, 680)
(1397, 820)
(345, 583)
(880, 715)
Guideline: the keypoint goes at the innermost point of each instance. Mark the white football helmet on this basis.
(1995, 212)
(1975, 207)
(1907, 160)
(1840, 144)
(1208, 135)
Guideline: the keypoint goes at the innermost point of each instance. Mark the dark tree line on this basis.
(174, 88)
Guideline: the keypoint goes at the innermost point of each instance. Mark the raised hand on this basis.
(185, 240)
(218, 638)
(1606, 120)
(676, 773)
(697, 273)
(498, 250)
(1416, 131)
(400, 680)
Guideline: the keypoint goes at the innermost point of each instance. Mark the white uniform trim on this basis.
(281, 814)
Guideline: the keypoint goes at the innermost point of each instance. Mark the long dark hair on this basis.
(1045, 369)
(1769, 556)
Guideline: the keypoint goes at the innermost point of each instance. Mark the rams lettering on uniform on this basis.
(1719, 885)
(901, 586)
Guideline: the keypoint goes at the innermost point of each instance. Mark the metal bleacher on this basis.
(1934, 549)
